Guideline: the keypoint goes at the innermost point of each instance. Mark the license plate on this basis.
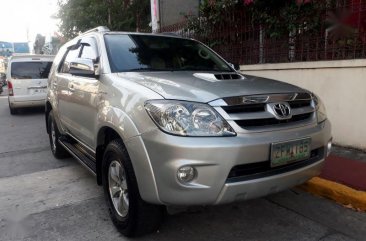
(39, 91)
(290, 151)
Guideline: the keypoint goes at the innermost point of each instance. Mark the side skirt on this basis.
(80, 153)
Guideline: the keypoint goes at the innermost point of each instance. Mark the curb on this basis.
(340, 193)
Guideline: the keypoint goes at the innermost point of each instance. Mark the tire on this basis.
(57, 150)
(135, 217)
(13, 111)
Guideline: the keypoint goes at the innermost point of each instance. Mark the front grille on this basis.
(272, 121)
(254, 112)
(263, 169)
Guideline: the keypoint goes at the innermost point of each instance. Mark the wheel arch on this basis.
(139, 159)
(104, 136)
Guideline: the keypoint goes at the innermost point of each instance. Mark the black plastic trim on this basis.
(257, 170)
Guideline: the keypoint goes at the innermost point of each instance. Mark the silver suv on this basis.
(164, 121)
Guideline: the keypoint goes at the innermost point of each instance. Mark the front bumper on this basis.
(213, 158)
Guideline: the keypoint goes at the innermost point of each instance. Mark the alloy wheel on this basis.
(118, 189)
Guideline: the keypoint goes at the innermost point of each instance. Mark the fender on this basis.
(117, 120)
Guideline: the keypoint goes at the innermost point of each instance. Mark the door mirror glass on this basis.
(82, 67)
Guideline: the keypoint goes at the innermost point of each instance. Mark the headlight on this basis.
(187, 118)
(320, 109)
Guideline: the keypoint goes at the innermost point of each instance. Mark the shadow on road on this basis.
(30, 111)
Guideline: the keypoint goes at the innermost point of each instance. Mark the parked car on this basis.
(27, 80)
(164, 121)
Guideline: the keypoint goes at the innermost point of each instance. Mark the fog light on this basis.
(186, 174)
(329, 147)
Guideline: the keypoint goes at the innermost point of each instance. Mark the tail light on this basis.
(10, 89)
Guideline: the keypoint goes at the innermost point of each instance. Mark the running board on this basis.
(84, 156)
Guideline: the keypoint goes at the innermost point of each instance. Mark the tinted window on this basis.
(30, 70)
(154, 53)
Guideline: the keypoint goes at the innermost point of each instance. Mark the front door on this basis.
(63, 82)
(84, 97)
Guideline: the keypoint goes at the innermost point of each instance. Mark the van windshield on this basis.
(30, 70)
(159, 53)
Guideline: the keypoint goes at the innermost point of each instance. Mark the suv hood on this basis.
(190, 86)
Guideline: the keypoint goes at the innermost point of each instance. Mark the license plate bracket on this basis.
(283, 153)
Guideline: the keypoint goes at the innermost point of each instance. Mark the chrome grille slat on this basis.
(268, 98)
(266, 115)
(255, 112)
(250, 123)
(302, 110)
(251, 116)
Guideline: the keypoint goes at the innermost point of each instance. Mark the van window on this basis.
(30, 70)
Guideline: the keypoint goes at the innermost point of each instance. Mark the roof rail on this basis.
(98, 29)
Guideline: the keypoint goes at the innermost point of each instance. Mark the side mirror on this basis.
(82, 67)
(235, 66)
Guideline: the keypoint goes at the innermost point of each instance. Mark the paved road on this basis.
(42, 198)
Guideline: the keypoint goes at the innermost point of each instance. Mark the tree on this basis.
(121, 15)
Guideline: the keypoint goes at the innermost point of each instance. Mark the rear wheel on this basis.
(57, 149)
(130, 214)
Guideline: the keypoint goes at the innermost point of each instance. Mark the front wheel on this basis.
(130, 214)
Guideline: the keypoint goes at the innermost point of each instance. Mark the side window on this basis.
(70, 55)
(89, 48)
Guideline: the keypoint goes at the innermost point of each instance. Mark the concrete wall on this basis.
(340, 84)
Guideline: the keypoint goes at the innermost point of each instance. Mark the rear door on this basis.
(29, 77)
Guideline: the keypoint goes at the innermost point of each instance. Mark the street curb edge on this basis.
(337, 192)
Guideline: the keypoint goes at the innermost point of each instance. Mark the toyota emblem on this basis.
(281, 111)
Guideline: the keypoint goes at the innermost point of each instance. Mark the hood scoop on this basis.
(217, 77)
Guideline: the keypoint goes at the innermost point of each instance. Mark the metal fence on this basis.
(341, 35)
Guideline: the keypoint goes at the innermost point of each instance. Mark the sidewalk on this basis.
(343, 178)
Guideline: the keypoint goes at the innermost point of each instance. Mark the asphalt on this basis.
(47, 199)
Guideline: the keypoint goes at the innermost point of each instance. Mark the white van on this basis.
(27, 80)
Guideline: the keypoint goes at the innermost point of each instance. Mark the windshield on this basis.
(30, 70)
(159, 53)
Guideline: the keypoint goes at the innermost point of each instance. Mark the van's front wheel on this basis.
(13, 111)
(130, 214)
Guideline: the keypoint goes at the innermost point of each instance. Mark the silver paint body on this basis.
(84, 106)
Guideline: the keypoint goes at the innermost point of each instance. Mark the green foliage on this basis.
(281, 17)
(120, 15)
(277, 17)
